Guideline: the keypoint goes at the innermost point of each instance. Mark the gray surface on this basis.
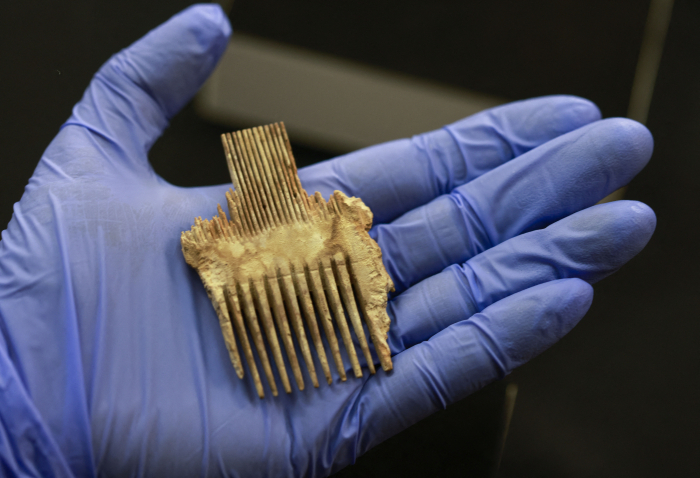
(507, 48)
(619, 395)
(327, 102)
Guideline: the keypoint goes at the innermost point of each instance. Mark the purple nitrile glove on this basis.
(111, 356)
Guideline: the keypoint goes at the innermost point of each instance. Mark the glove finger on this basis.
(552, 181)
(589, 245)
(395, 177)
(465, 357)
(133, 95)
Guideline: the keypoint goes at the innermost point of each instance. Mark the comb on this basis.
(289, 263)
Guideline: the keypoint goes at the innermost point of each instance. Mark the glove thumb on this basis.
(134, 94)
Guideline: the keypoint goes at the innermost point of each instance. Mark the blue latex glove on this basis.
(112, 360)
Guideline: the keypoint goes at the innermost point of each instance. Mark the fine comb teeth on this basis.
(288, 257)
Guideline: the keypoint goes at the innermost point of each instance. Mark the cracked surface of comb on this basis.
(289, 267)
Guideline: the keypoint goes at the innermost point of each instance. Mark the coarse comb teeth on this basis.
(286, 261)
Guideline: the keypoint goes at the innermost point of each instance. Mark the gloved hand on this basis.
(112, 360)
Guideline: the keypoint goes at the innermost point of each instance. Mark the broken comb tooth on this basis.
(285, 262)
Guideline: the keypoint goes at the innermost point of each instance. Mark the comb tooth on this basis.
(291, 172)
(378, 337)
(234, 307)
(234, 206)
(283, 326)
(223, 221)
(326, 321)
(257, 178)
(272, 179)
(339, 313)
(210, 230)
(333, 204)
(250, 192)
(314, 213)
(233, 209)
(201, 236)
(229, 161)
(258, 289)
(290, 155)
(204, 227)
(232, 228)
(217, 228)
(237, 180)
(253, 182)
(222, 214)
(254, 327)
(345, 287)
(272, 141)
(197, 232)
(227, 331)
(248, 206)
(226, 227)
(307, 307)
(286, 286)
(321, 204)
(262, 179)
(198, 227)
(294, 213)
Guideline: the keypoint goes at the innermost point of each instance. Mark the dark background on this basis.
(619, 395)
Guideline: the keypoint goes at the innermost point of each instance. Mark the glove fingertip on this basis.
(639, 223)
(527, 323)
(576, 112)
(564, 302)
(578, 296)
(147, 83)
(203, 17)
(644, 213)
(192, 43)
(172, 61)
(629, 141)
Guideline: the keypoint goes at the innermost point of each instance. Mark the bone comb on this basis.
(289, 263)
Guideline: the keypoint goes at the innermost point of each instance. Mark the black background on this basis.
(619, 395)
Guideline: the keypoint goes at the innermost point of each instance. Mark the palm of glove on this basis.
(114, 349)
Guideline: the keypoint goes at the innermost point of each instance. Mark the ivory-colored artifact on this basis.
(287, 261)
